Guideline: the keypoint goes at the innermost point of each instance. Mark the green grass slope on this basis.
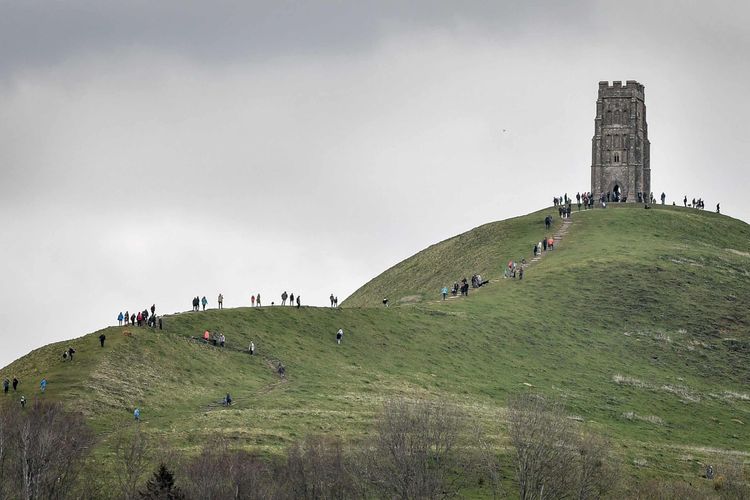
(639, 322)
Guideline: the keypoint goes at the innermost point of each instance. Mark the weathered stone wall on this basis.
(620, 148)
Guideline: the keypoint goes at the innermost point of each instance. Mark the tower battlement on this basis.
(631, 88)
(620, 159)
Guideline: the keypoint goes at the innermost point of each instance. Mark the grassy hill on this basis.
(639, 322)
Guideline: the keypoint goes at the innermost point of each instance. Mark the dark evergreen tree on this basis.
(161, 486)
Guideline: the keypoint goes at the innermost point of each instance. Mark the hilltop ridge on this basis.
(638, 322)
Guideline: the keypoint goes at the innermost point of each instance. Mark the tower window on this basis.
(616, 157)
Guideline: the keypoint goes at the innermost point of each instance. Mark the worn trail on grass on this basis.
(558, 236)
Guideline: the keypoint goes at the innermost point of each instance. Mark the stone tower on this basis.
(620, 165)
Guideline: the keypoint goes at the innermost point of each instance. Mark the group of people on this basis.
(7, 384)
(514, 270)
(142, 318)
(334, 301)
(214, 338)
(290, 296)
(699, 204)
(197, 301)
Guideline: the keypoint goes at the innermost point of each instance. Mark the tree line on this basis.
(418, 450)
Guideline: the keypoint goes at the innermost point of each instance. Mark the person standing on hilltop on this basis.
(252, 300)
(335, 301)
(221, 301)
(119, 319)
(299, 300)
(291, 299)
(204, 301)
(132, 319)
(257, 300)
(331, 300)
(153, 309)
(284, 296)
(718, 210)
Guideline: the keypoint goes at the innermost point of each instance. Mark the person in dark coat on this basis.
(102, 338)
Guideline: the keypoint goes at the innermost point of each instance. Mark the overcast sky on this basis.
(154, 151)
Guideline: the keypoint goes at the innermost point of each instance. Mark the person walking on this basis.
(43, 385)
(102, 338)
(221, 301)
(23, 401)
(299, 300)
(718, 210)
(15, 384)
(119, 319)
(6, 385)
(222, 340)
(71, 351)
(252, 348)
(137, 414)
(444, 291)
(204, 301)
(339, 335)
(257, 300)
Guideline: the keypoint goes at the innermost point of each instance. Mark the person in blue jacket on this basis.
(444, 291)
(120, 318)
(43, 384)
(137, 414)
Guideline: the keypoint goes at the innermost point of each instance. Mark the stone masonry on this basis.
(620, 166)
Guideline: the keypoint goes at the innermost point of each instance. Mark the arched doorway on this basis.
(616, 193)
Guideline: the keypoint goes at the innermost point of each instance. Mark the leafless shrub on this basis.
(317, 468)
(597, 470)
(221, 473)
(133, 460)
(543, 440)
(417, 450)
(730, 481)
(43, 450)
(553, 459)
(667, 490)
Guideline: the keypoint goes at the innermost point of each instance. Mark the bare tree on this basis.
(597, 469)
(133, 460)
(316, 468)
(50, 448)
(416, 450)
(219, 473)
(545, 457)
